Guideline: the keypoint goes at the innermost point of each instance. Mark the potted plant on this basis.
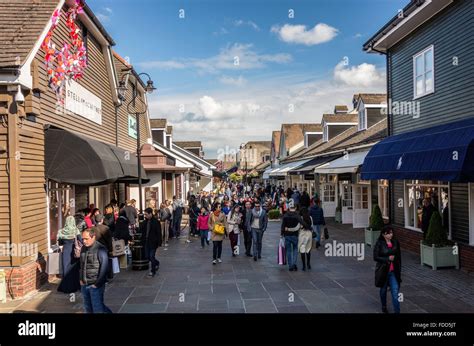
(274, 214)
(436, 250)
(338, 215)
(372, 233)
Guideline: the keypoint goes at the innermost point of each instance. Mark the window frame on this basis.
(364, 118)
(422, 54)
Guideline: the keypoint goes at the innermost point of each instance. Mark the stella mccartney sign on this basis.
(82, 102)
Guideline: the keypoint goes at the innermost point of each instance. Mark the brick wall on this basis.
(410, 240)
(25, 279)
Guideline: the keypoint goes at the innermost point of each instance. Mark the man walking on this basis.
(150, 229)
(247, 215)
(258, 224)
(177, 216)
(94, 263)
(290, 226)
(317, 214)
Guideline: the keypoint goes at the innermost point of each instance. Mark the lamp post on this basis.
(149, 89)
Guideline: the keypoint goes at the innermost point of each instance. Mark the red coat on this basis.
(202, 222)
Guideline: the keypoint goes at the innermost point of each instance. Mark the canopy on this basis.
(285, 168)
(348, 163)
(309, 166)
(443, 152)
(75, 159)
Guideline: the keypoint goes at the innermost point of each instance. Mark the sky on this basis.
(230, 71)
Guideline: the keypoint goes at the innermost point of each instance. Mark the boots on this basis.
(303, 260)
(308, 256)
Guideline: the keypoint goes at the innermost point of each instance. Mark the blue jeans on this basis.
(257, 237)
(204, 233)
(394, 287)
(317, 229)
(94, 299)
(150, 255)
(291, 247)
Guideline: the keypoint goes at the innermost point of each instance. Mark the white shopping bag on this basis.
(115, 265)
(208, 235)
(238, 239)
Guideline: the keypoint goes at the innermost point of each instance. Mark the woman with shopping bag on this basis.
(234, 220)
(218, 227)
(305, 238)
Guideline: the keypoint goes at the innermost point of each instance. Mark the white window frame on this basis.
(422, 53)
(409, 183)
(362, 118)
(325, 133)
(306, 137)
(386, 208)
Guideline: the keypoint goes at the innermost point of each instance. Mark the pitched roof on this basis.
(372, 98)
(340, 118)
(372, 134)
(188, 144)
(120, 65)
(294, 133)
(21, 25)
(158, 123)
(212, 161)
(341, 108)
(262, 166)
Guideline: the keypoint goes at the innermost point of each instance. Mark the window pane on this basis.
(419, 85)
(429, 60)
(429, 81)
(419, 65)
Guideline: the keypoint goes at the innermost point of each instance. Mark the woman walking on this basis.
(218, 226)
(305, 239)
(203, 226)
(388, 268)
(234, 220)
(165, 217)
(67, 238)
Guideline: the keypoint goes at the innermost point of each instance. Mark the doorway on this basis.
(361, 212)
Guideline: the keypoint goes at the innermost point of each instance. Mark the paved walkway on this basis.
(188, 282)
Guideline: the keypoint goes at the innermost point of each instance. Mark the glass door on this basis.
(346, 190)
(361, 212)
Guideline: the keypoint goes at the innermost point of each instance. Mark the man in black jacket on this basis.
(150, 229)
(247, 215)
(94, 263)
(290, 226)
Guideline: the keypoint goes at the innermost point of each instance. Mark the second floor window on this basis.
(423, 72)
(362, 119)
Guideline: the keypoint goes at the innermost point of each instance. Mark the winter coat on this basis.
(317, 214)
(203, 222)
(121, 230)
(221, 219)
(381, 256)
(263, 220)
(154, 239)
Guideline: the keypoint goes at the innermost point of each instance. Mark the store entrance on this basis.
(61, 204)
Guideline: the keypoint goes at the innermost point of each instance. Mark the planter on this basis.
(371, 236)
(338, 216)
(438, 256)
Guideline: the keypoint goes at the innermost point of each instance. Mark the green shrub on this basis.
(436, 234)
(274, 214)
(376, 219)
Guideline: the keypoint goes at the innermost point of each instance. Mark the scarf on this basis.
(70, 231)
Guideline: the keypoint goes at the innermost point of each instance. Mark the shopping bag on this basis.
(281, 253)
(115, 265)
(54, 265)
(209, 236)
(118, 247)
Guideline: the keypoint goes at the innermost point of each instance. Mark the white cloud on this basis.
(224, 117)
(363, 75)
(358, 35)
(320, 33)
(241, 22)
(221, 31)
(240, 81)
(231, 57)
(104, 17)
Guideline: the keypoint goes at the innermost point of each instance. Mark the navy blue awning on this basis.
(443, 152)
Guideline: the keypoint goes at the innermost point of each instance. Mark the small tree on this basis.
(376, 219)
(436, 234)
(235, 178)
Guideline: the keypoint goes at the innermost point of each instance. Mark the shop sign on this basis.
(82, 102)
(345, 177)
(132, 126)
(309, 177)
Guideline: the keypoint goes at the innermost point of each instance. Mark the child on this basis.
(202, 226)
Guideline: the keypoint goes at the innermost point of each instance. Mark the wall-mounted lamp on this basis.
(19, 97)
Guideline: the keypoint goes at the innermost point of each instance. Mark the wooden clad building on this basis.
(33, 207)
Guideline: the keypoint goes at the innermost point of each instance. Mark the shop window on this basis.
(383, 197)
(346, 195)
(329, 193)
(423, 72)
(61, 204)
(361, 197)
(416, 191)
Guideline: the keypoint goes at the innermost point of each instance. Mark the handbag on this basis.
(326, 233)
(219, 229)
(115, 265)
(281, 257)
(77, 248)
(118, 247)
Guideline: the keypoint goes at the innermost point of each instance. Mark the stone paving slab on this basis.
(240, 285)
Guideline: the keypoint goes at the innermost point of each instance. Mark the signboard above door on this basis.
(82, 102)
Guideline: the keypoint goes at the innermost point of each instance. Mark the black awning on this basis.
(76, 159)
(442, 152)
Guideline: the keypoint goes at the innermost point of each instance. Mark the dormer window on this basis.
(325, 133)
(362, 117)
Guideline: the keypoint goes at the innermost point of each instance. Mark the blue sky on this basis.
(229, 70)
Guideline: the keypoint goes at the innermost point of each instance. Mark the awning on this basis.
(75, 159)
(309, 166)
(266, 173)
(285, 168)
(346, 164)
(443, 152)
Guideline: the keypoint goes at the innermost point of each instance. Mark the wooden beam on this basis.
(14, 164)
